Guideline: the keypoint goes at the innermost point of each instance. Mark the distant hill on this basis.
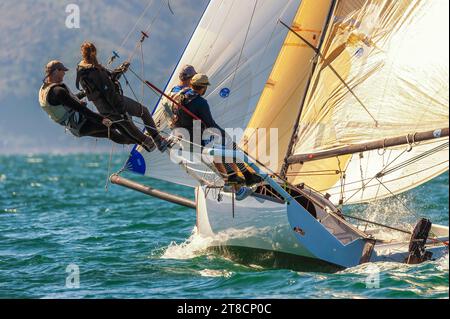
(34, 32)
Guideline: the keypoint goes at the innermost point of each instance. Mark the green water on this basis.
(54, 212)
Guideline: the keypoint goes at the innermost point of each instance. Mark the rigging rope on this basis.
(410, 210)
(109, 166)
(334, 71)
(365, 184)
(146, 31)
(245, 42)
(134, 28)
(414, 160)
(115, 55)
(392, 180)
(143, 70)
(131, 88)
(343, 176)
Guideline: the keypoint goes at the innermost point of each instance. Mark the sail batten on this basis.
(281, 99)
(286, 163)
(382, 50)
(371, 49)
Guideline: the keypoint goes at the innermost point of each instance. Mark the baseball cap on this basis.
(200, 80)
(187, 72)
(54, 65)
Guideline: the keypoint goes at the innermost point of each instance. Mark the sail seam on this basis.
(294, 135)
(181, 57)
(245, 42)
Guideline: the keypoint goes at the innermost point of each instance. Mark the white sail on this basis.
(284, 91)
(235, 44)
(393, 55)
(376, 78)
(400, 171)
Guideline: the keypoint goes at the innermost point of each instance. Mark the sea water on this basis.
(63, 236)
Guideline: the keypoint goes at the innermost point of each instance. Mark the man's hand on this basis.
(107, 122)
(83, 103)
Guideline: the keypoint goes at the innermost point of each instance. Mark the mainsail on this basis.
(235, 44)
(327, 75)
(382, 73)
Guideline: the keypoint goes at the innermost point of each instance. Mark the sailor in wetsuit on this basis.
(68, 110)
(103, 88)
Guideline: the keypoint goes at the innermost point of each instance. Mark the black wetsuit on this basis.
(198, 106)
(103, 89)
(86, 122)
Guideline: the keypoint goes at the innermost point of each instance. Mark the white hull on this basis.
(264, 225)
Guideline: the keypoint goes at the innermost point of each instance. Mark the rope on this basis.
(377, 224)
(396, 198)
(343, 183)
(361, 156)
(143, 71)
(147, 30)
(158, 92)
(410, 210)
(245, 42)
(131, 88)
(392, 180)
(365, 184)
(109, 167)
(383, 149)
(414, 159)
(333, 70)
(132, 30)
(108, 125)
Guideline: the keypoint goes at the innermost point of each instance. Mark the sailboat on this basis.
(355, 93)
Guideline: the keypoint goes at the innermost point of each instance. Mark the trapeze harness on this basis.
(100, 86)
(176, 116)
(61, 114)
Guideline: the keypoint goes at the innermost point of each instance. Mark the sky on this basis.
(35, 32)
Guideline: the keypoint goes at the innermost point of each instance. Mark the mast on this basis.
(286, 164)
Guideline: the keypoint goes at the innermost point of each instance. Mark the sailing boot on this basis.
(235, 179)
(161, 143)
(251, 178)
(148, 144)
